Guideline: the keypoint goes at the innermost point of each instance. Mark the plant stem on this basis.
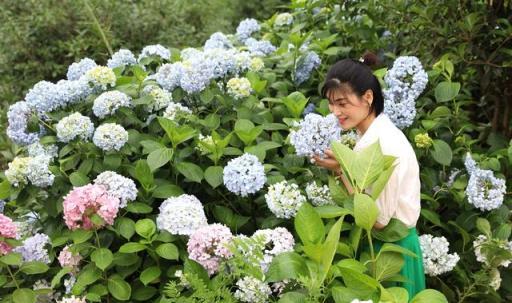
(12, 276)
(372, 252)
(100, 30)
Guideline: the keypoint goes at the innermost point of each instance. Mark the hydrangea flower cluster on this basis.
(161, 98)
(77, 69)
(244, 175)
(349, 139)
(155, 50)
(8, 230)
(118, 186)
(207, 246)
(72, 299)
(169, 75)
(109, 102)
(252, 290)
(484, 190)
(221, 62)
(453, 175)
(181, 215)
(256, 64)
(17, 117)
(405, 81)
(218, 40)
(33, 248)
(423, 140)
(436, 258)
(482, 241)
(44, 292)
(26, 227)
(110, 136)
(284, 199)
(101, 77)
(81, 203)
(68, 259)
(37, 149)
(283, 19)
(33, 169)
(259, 47)
(175, 111)
(319, 195)
(239, 88)
(314, 134)
(246, 28)
(121, 58)
(274, 242)
(305, 66)
(204, 144)
(74, 126)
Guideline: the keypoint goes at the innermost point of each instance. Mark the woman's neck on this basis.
(362, 127)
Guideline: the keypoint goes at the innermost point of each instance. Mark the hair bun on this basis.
(369, 59)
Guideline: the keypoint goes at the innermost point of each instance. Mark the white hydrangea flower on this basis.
(33, 169)
(155, 50)
(314, 134)
(244, 175)
(109, 102)
(101, 77)
(161, 98)
(74, 126)
(283, 19)
(181, 215)
(118, 186)
(110, 136)
(239, 88)
(495, 279)
(436, 258)
(37, 149)
(256, 64)
(121, 58)
(252, 290)
(405, 81)
(483, 240)
(484, 190)
(218, 40)
(284, 199)
(242, 62)
(72, 299)
(319, 195)
(274, 242)
(176, 110)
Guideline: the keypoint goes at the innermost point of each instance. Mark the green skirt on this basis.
(412, 270)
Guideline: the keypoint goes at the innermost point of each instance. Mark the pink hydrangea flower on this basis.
(67, 258)
(7, 230)
(207, 246)
(84, 201)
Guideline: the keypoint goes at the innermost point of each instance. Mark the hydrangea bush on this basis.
(182, 176)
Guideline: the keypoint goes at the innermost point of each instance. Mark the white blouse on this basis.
(400, 198)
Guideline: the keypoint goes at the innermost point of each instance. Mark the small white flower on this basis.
(284, 199)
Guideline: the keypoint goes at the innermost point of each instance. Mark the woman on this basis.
(355, 97)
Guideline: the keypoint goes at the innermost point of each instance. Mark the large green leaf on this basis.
(159, 158)
(388, 264)
(394, 231)
(34, 267)
(150, 274)
(442, 152)
(24, 295)
(214, 175)
(168, 251)
(365, 211)
(345, 157)
(102, 257)
(309, 225)
(446, 91)
(288, 265)
(191, 171)
(119, 288)
(429, 296)
(330, 246)
(368, 165)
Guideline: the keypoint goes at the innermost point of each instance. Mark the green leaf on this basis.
(112, 162)
(358, 281)
(446, 91)
(125, 227)
(338, 191)
(330, 246)
(139, 208)
(214, 175)
(34, 267)
(368, 165)
(390, 247)
(145, 228)
(191, 171)
(483, 226)
(11, 259)
(345, 157)
(429, 296)
(56, 279)
(309, 225)
(292, 297)
(166, 191)
(24, 295)
(288, 265)
(119, 288)
(365, 211)
(102, 257)
(131, 247)
(246, 131)
(442, 152)
(5, 189)
(88, 275)
(143, 174)
(78, 179)
(394, 231)
(168, 251)
(331, 211)
(381, 182)
(150, 274)
(295, 103)
(159, 158)
(388, 264)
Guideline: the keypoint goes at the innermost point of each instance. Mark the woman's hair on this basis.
(358, 76)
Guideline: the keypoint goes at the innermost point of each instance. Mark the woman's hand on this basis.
(328, 162)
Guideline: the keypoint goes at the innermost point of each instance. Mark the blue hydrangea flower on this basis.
(169, 75)
(246, 28)
(33, 249)
(121, 58)
(259, 47)
(198, 74)
(309, 109)
(405, 81)
(109, 102)
(78, 69)
(244, 175)
(305, 66)
(155, 50)
(17, 117)
(314, 134)
(71, 92)
(221, 61)
(43, 96)
(218, 40)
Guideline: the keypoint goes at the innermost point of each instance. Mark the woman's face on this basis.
(350, 108)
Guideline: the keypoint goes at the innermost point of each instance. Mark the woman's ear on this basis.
(368, 96)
